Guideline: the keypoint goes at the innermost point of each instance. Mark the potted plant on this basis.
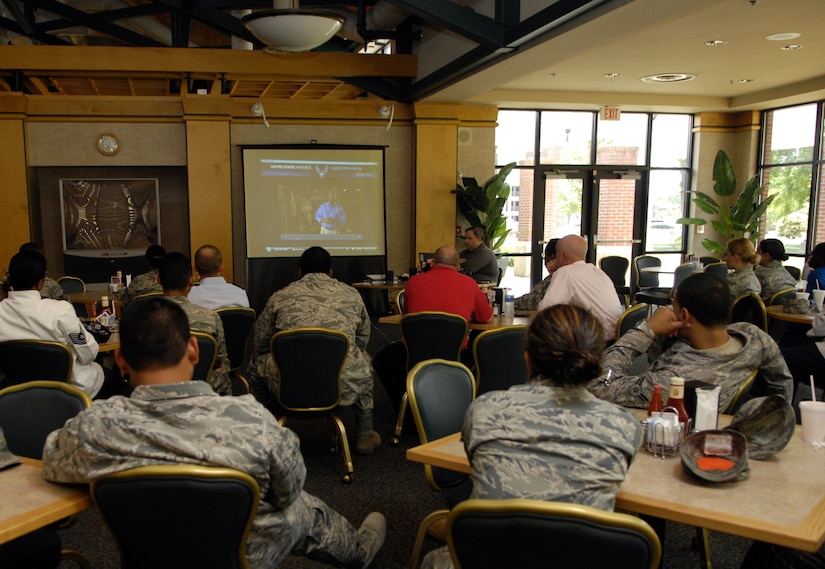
(733, 215)
(482, 206)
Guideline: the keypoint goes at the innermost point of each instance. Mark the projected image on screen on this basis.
(300, 197)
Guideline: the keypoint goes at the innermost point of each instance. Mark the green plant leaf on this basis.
(724, 180)
(714, 247)
(691, 221)
(706, 203)
(722, 228)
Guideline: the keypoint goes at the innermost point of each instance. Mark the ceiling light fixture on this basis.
(715, 43)
(784, 36)
(612, 75)
(667, 78)
(745, 81)
(287, 29)
(791, 47)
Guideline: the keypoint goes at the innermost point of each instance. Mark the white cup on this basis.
(803, 295)
(813, 421)
(819, 297)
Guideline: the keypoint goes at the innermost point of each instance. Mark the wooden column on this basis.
(14, 207)
(210, 176)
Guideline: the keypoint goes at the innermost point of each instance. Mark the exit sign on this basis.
(610, 113)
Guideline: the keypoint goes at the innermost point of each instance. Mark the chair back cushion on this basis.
(749, 308)
(31, 360)
(309, 363)
(237, 328)
(440, 392)
(616, 269)
(30, 411)
(208, 346)
(644, 279)
(718, 269)
(71, 284)
(490, 534)
(179, 516)
(630, 318)
(499, 359)
(429, 335)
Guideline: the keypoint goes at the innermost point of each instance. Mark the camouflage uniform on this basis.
(51, 289)
(186, 423)
(742, 282)
(729, 371)
(530, 301)
(141, 284)
(320, 301)
(204, 320)
(546, 443)
(774, 277)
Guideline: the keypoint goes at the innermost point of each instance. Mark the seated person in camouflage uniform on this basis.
(550, 439)
(316, 299)
(146, 282)
(707, 348)
(175, 275)
(169, 419)
(772, 274)
(530, 301)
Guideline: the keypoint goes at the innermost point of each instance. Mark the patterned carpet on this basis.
(387, 482)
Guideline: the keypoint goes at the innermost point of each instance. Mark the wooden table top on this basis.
(783, 501)
(494, 323)
(27, 502)
(778, 312)
(111, 344)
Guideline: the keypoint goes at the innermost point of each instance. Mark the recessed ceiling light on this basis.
(667, 78)
(612, 75)
(784, 36)
(745, 81)
(715, 43)
(791, 47)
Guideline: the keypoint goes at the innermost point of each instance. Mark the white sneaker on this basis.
(371, 536)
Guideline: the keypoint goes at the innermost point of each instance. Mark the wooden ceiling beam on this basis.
(238, 62)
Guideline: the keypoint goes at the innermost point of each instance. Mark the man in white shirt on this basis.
(582, 284)
(213, 291)
(25, 316)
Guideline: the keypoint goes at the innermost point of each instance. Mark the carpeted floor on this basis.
(384, 481)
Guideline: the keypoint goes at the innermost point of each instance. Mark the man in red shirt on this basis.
(443, 289)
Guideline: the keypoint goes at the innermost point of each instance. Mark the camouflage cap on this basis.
(767, 422)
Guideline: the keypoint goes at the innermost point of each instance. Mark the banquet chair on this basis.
(630, 318)
(71, 284)
(31, 360)
(208, 347)
(778, 328)
(308, 385)
(28, 413)
(517, 532)
(238, 323)
(708, 260)
(616, 269)
(779, 296)
(440, 392)
(719, 269)
(647, 284)
(427, 335)
(749, 308)
(794, 271)
(179, 515)
(499, 359)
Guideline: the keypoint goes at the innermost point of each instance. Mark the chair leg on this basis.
(703, 544)
(342, 433)
(399, 424)
(422, 531)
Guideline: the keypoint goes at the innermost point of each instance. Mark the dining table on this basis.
(777, 312)
(494, 323)
(28, 502)
(782, 502)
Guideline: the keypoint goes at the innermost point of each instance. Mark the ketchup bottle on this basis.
(655, 401)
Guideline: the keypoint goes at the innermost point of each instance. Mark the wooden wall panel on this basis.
(434, 203)
(14, 207)
(210, 188)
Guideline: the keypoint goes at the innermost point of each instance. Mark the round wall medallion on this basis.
(108, 144)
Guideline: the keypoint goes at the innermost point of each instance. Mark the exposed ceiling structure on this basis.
(509, 53)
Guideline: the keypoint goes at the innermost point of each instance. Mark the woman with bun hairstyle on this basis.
(741, 257)
(772, 274)
(551, 439)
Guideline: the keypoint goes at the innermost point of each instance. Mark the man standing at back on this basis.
(213, 291)
(318, 300)
(169, 420)
(582, 284)
(175, 275)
